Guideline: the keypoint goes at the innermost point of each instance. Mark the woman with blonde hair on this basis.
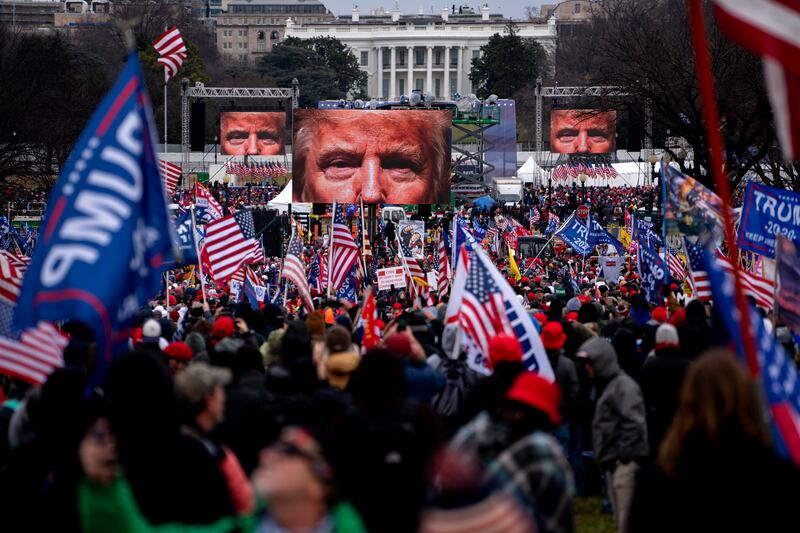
(716, 470)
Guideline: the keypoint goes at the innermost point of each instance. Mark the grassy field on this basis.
(589, 516)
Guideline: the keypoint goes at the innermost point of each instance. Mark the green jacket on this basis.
(113, 508)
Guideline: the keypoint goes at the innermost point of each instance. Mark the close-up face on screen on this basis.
(587, 131)
(252, 132)
(397, 156)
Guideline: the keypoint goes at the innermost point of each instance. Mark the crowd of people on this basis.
(223, 417)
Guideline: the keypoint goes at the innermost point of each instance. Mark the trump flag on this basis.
(106, 234)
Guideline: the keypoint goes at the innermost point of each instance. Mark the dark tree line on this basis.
(645, 49)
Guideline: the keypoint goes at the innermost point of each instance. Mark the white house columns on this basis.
(436, 67)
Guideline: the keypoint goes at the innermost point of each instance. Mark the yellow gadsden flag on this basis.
(513, 265)
(624, 238)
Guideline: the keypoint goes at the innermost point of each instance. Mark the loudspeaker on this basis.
(319, 208)
(197, 133)
(424, 211)
(267, 224)
(635, 130)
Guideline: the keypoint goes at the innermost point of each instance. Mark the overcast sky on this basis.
(509, 8)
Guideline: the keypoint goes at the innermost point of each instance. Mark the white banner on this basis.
(391, 276)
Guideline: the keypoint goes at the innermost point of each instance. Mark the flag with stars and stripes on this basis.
(489, 306)
(172, 51)
(294, 269)
(344, 251)
(777, 372)
(444, 272)
(697, 269)
(676, 267)
(170, 175)
(534, 216)
(230, 243)
(253, 289)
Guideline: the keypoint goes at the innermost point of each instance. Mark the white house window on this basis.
(364, 59)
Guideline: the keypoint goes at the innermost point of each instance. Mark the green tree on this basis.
(325, 68)
(508, 63)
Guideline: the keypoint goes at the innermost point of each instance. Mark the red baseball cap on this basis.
(553, 336)
(533, 390)
(659, 314)
(178, 350)
(504, 347)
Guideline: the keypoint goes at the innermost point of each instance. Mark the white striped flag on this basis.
(172, 49)
(35, 355)
(761, 289)
(230, 242)
(11, 274)
(769, 28)
(444, 272)
(295, 271)
(344, 251)
(170, 175)
(207, 206)
(676, 267)
(701, 286)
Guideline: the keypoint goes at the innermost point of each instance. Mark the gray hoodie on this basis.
(619, 427)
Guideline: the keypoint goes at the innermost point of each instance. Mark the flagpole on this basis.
(165, 117)
(705, 81)
(363, 233)
(330, 249)
(166, 284)
(197, 251)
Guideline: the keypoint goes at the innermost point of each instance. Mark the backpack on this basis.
(458, 381)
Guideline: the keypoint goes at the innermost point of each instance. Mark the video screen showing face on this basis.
(583, 131)
(394, 157)
(252, 132)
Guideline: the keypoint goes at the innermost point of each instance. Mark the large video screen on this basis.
(252, 132)
(583, 131)
(393, 157)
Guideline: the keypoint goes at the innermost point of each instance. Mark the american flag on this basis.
(344, 251)
(502, 222)
(485, 304)
(444, 271)
(35, 354)
(294, 270)
(761, 289)
(208, 208)
(676, 267)
(230, 243)
(769, 28)
(534, 216)
(697, 268)
(11, 274)
(172, 49)
(170, 175)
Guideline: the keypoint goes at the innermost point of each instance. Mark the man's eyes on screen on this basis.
(598, 135)
(236, 137)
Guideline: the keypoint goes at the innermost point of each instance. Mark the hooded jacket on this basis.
(619, 428)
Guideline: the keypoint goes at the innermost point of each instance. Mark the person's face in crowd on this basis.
(256, 133)
(580, 132)
(97, 452)
(293, 494)
(369, 158)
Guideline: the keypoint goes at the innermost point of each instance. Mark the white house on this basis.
(426, 52)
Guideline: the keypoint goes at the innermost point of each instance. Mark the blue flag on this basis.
(766, 213)
(348, 290)
(599, 235)
(477, 230)
(106, 233)
(642, 232)
(576, 235)
(185, 239)
(462, 237)
(653, 271)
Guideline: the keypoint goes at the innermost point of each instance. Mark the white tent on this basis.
(629, 174)
(284, 198)
(530, 172)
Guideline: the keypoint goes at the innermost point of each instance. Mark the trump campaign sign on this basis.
(766, 213)
(107, 235)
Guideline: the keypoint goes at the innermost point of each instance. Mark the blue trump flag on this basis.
(653, 271)
(766, 213)
(107, 233)
(576, 234)
(599, 235)
(186, 235)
